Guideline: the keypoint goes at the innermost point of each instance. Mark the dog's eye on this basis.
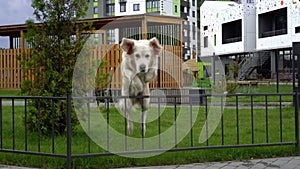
(137, 56)
(147, 56)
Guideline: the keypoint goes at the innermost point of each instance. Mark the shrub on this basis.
(53, 54)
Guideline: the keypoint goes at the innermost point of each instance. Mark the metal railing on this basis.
(245, 116)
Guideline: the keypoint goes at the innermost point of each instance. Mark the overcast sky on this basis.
(14, 12)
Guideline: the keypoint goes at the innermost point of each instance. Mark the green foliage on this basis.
(203, 83)
(231, 87)
(55, 45)
(219, 87)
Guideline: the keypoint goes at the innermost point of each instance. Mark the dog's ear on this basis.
(127, 45)
(155, 45)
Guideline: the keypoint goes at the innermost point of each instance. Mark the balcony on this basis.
(273, 33)
(232, 40)
(272, 23)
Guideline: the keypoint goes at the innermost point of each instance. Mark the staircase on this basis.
(251, 62)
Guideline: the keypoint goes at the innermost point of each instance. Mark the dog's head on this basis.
(142, 53)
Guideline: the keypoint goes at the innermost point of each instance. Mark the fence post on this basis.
(69, 133)
(296, 118)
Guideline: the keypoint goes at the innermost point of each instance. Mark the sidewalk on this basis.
(269, 163)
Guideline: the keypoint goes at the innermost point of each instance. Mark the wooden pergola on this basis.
(117, 22)
(166, 27)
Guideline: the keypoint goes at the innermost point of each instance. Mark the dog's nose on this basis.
(142, 68)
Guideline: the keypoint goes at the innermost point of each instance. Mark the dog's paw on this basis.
(150, 76)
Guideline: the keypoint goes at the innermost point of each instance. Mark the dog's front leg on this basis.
(143, 122)
(145, 106)
(129, 123)
(126, 107)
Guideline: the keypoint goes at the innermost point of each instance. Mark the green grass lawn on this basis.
(261, 89)
(80, 139)
(10, 92)
(265, 89)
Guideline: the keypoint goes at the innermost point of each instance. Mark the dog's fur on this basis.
(139, 67)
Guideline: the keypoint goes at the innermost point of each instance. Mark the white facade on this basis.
(214, 14)
(293, 21)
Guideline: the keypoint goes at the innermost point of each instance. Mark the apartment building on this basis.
(278, 26)
(257, 34)
(186, 9)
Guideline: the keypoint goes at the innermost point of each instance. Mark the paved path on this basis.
(270, 163)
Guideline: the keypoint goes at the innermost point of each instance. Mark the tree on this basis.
(55, 44)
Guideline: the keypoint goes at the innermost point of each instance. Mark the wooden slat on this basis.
(5, 69)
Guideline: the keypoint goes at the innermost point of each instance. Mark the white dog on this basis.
(139, 67)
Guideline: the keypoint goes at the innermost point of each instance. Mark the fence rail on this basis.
(266, 120)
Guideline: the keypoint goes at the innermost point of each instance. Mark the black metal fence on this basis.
(246, 120)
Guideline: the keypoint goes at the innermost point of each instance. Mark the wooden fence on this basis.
(12, 76)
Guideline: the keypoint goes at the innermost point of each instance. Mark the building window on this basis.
(205, 28)
(123, 7)
(152, 5)
(297, 29)
(194, 31)
(96, 10)
(185, 33)
(272, 23)
(193, 2)
(185, 10)
(232, 32)
(110, 9)
(110, 36)
(215, 40)
(286, 61)
(136, 7)
(194, 14)
(176, 10)
(205, 41)
(155, 4)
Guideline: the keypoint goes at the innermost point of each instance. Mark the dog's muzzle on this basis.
(142, 68)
